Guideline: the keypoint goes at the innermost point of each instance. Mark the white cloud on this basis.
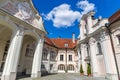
(85, 6)
(64, 16)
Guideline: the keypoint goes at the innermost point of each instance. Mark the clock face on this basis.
(25, 10)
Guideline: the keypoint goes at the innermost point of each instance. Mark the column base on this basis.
(35, 75)
(111, 76)
(95, 74)
(12, 76)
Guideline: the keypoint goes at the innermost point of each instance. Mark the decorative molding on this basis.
(22, 10)
(41, 40)
(20, 33)
(103, 36)
(92, 41)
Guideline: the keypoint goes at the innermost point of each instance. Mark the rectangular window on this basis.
(70, 57)
(61, 57)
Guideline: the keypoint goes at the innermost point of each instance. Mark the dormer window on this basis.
(66, 45)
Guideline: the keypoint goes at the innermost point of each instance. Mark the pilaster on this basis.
(79, 58)
(84, 64)
(49, 61)
(94, 63)
(111, 72)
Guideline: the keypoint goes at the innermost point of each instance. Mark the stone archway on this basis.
(26, 56)
(5, 37)
(30, 55)
(9, 38)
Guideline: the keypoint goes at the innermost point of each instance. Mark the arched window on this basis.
(45, 54)
(70, 67)
(30, 48)
(99, 48)
(52, 55)
(61, 67)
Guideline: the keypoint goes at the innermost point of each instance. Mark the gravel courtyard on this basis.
(65, 76)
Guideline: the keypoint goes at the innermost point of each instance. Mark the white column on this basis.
(111, 72)
(49, 61)
(93, 48)
(36, 66)
(83, 58)
(79, 58)
(9, 72)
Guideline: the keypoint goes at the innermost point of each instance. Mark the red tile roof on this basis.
(60, 42)
(114, 17)
(48, 41)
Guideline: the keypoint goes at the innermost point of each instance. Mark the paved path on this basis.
(64, 77)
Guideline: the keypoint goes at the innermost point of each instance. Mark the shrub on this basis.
(66, 71)
(81, 69)
(89, 70)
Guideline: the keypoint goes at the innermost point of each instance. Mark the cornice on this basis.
(92, 34)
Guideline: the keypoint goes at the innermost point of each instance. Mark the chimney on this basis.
(73, 37)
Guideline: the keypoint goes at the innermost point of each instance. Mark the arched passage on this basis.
(6, 31)
(27, 53)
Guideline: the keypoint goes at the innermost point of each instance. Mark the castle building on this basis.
(21, 39)
(114, 27)
(59, 55)
(25, 49)
(96, 47)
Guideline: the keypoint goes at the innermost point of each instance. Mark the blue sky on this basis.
(61, 17)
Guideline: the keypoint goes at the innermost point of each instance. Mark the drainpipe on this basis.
(113, 49)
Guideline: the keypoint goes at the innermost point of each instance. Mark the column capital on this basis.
(92, 41)
(21, 32)
(41, 40)
(18, 33)
(103, 36)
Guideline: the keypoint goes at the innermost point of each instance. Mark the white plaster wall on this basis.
(115, 28)
(118, 61)
(101, 65)
(69, 52)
